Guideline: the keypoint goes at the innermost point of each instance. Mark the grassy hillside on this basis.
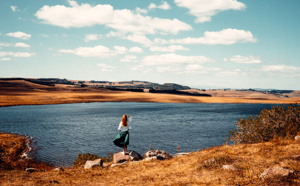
(204, 167)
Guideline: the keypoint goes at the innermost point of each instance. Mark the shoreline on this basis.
(66, 97)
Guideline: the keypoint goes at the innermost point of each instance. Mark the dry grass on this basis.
(249, 161)
(20, 92)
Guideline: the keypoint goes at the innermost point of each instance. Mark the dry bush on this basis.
(279, 122)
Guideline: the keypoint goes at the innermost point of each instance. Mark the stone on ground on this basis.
(90, 164)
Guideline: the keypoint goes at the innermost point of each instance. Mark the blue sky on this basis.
(199, 43)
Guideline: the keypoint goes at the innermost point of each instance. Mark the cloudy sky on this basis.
(199, 43)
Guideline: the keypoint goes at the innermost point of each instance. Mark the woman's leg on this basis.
(125, 148)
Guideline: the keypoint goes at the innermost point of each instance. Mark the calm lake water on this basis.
(66, 130)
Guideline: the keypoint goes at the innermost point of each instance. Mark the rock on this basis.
(120, 157)
(131, 155)
(159, 154)
(228, 167)
(118, 164)
(276, 171)
(90, 164)
(58, 169)
(153, 158)
(181, 154)
(297, 137)
(296, 157)
(31, 170)
(134, 156)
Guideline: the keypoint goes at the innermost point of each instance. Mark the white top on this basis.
(124, 129)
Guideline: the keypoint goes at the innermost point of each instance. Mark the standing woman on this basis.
(122, 138)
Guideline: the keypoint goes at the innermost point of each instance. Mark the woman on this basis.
(122, 138)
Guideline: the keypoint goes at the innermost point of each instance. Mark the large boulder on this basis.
(279, 171)
(90, 164)
(159, 154)
(131, 155)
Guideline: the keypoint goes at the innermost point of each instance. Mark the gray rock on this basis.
(181, 154)
(276, 171)
(153, 158)
(131, 155)
(90, 164)
(160, 154)
(31, 170)
(118, 164)
(228, 167)
(134, 156)
(120, 157)
(297, 137)
(58, 169)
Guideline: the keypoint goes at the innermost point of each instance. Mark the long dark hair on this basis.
(124, 120)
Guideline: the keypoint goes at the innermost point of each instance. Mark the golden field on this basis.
(20, 92)
(249, 162)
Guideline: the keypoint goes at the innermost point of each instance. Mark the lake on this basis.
(63, 131)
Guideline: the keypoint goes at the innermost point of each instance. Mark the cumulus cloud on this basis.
(163, 6)
(244, 59)
(283, 69)
(171, 48)
(129, 58)
(105, 67)
(96, 51)
(139, 39)
(136, 50)
(20, 35)
(123, 20)
(17, 54)
(5, 59)
(203, 10)
(171, 58)
(227, 36)
(14, 8)
(92, 37)
(5, 45)
(22, 45)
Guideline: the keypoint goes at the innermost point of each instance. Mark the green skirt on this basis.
(122, 139)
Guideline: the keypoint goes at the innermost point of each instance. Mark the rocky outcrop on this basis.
(297, 137)
(158, 154)
(131, 155)
(90, 164)
(279, 171)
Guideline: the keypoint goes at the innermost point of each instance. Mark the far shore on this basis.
(20, 92)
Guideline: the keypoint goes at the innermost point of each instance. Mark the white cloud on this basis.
(22, 45)
(245, 59)
(5, 59)
(92, 37)
(163, 6)
(5, 44)
(288, 70)
(105, 67)
(97, 51)
(16, 54)
(136, 50)
(169, 59)
(171, 48)
(20, 35)
(203, 10)
(227, 36)
(120, 49)
(123, 20)
(14, 8)
(168, 69)
(141, 11)
(139, 39)
(129, 58)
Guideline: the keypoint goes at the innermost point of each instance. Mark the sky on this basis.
(235, 44)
